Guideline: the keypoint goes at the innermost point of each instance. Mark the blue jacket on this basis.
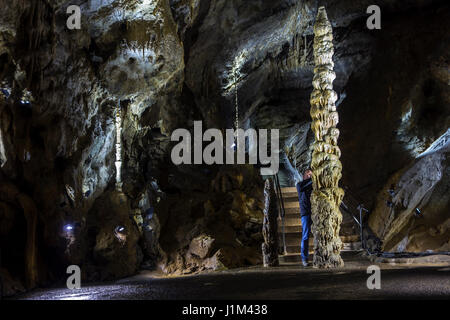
(304, 190)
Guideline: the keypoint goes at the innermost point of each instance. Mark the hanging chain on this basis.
(236, 102)
(236, 123)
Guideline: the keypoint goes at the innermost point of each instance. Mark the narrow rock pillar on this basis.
(118, 120)
(326, 166)
(270, 226)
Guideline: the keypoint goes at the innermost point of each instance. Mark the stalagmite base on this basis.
(326, 166)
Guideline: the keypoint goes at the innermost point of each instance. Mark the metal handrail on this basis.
(361, 209)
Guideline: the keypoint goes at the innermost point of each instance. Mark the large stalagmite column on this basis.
(326, 166)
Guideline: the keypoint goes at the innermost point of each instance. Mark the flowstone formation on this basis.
(326, 166)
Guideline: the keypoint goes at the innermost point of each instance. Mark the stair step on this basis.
(292, 210)
(290, 229)
(294, 238)
(351, 246)
(293, 199)
(294, 242)
(293, 247)
(351, 238)
(293, 216)
(291, 204)
(290, 195)
(289, 222)
(288, 189)
(294, 257)
(289, 258)
(296, 248)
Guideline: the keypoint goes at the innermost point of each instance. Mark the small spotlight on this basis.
(26, 98)
(68, 227)
(5, 92)
(119, 233)
(417, 212)
(5, 89)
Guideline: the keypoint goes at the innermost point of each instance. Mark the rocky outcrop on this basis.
(213, 228)
(415, 219)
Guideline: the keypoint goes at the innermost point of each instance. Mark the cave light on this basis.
(417, 212)
(26, 98)
(119, 233)
(5, 89)
(68, 227)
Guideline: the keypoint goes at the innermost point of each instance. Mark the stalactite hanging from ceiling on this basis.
(38, 29)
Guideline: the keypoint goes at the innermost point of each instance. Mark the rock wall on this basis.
(416, 218)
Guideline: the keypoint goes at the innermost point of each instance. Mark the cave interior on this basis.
(87, 116)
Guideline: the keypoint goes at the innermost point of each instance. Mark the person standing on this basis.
(304, 190)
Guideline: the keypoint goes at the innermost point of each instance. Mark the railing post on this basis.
(361, 209)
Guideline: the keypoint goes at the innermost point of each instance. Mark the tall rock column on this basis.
(118, 162)
(326, 166)
(270, 226)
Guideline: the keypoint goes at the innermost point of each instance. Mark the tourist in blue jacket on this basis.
(304, 190)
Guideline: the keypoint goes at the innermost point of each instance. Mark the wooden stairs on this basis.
(293, 231)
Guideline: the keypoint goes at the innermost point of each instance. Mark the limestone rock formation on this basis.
(270, 226)
(217, 227)
(326, 166)
(414, 222)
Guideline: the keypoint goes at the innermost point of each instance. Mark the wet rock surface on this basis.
(168, 63)
(287, 283)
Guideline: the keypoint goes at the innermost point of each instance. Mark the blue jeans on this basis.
(306, 230)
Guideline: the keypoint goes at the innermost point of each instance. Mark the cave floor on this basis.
(284, 282)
